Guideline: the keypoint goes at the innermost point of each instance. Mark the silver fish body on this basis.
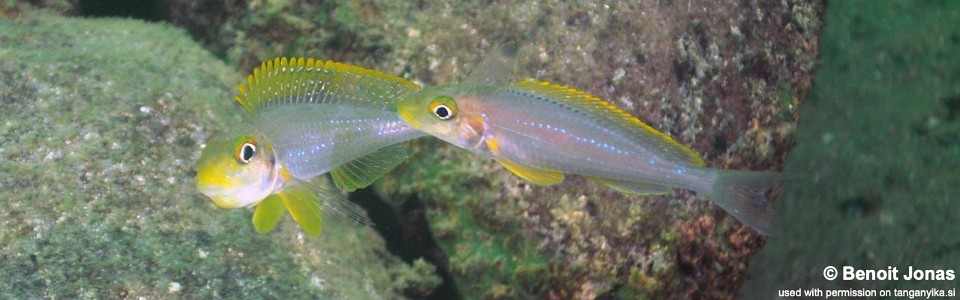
(313, 139)
(542, 132)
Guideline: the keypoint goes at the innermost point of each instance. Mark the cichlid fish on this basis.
(541, 131)
(306, 118)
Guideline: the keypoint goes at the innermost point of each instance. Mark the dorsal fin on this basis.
(497, 67)
(602, 109)
(297, 80)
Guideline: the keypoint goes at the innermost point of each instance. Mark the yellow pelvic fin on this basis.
(304, 205)
(534, 175)
(268, 213)
(493, 145)
(632, 187)
(609, 112)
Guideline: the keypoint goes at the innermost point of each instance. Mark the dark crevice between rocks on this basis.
(203, 20)
(148, 10)
(408, 236)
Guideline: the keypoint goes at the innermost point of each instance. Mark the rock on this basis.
(101, 121)
(725, 78)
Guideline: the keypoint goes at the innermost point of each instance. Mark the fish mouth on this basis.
(226, 193)
(222, 197)
(217, 188)
(221, 191)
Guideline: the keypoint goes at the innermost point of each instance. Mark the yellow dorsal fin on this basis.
(534, 175)
(268, 213)
(604, 110)
(298, 80)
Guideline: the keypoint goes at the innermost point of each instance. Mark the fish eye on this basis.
(443, 108)
(442, 112)
(246, 151)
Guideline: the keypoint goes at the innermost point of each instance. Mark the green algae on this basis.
(100, 123)
(712, 83)
(497, 264)
(710, 74)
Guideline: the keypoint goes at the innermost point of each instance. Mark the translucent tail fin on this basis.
(743, 195)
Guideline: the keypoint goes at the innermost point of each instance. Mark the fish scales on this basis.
(552, 134)
(542, 131)
(311, 140)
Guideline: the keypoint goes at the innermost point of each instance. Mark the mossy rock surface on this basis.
(725, 78)
(101, 121)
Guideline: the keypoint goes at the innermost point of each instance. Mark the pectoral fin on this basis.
(268, 213)
(534, 175)
(363, 171)
(632, 187)
(304, 205)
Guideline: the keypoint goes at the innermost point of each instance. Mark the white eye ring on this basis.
(247, 150)
(443, 112)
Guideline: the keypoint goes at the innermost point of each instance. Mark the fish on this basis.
(306, 118)
(542, 132)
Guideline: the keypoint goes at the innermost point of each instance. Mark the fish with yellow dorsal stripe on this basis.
(306, 118)
(541, 131)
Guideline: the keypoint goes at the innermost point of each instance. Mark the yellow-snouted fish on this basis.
(306, 118)
(541, 131)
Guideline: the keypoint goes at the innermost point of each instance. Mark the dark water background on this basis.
(879, 141)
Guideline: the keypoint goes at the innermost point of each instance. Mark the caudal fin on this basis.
(743, 195)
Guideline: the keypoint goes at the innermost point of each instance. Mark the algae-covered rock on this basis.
(101, 121)
(724, 77)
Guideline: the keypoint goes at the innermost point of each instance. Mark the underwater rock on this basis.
(725, 78)
(101, 121)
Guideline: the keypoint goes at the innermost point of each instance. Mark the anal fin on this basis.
(534, 175)
(632, 187)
